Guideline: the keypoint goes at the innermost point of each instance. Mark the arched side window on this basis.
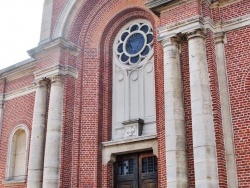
(16, 170)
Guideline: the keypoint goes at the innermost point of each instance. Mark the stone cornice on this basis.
(198, 22)
(223, 3)
(54, 71)
(185, 26)
(159, 6)
(154, 4)
(18, 70)
(56, 43)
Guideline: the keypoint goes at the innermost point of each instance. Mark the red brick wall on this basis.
(17, 111)
(179, 13)
(184, 58)
(19, 83)
(235, 10)
(238, 63)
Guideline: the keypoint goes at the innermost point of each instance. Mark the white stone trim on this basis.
(217, 3)
(198, 22)
(236, 23)
(56, 70)
(20, 92)
(58, 43)
(184, 26)
(58, 31)
(7, 172)
(112, 148)
(15, 71)
(232, 179)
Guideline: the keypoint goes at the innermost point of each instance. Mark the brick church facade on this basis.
(130, 94)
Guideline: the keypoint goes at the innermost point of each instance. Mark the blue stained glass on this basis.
(120, 48)
(145, 28)
(124, 58)
(124, 35)
(135, 43)
(149, 38)
(134, 28)
(135, 59)
(145, 51)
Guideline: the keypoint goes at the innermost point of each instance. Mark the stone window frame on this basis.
(145, 59)
(8, 179)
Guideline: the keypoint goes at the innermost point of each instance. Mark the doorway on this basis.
(137, 170)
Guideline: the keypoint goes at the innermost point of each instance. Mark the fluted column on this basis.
(204, 146)
(176, 158)
(36, 156)
(51, 174)
(225, 111)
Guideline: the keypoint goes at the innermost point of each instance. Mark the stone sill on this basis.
(126, 141)
(14, 182)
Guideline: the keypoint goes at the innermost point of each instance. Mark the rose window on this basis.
(135, 44)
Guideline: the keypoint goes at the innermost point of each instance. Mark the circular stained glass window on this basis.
(134, 44)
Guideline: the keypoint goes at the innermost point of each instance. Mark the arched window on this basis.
(133, 111)
(17, 155)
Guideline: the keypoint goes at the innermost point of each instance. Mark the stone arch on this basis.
(17, 160)
(69, 12)
(96, 37)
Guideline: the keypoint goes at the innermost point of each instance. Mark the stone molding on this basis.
(19, 70)
(185, 26)
(223, 3)
(56, 70)
(66, 12)
(112, 148)
(20, 92)
(197, 22)
(160, 5)
(56, 43)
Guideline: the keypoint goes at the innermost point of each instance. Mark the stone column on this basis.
(51, 174)
(204, 146)
(36, 156)
(225, 111)
(176, 163)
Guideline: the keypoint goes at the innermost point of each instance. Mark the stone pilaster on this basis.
(176, 163)
(225, 111)
(36, 157)
(204, 146)
(46, 21)
(51, 174)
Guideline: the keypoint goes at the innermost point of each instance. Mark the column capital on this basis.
(219, 37)
(170, 41)
(196, 33)
(41, 82)
(57, 78)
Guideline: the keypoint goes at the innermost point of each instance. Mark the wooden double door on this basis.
(137, 170)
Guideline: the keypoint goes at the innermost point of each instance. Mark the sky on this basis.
(20, 23)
